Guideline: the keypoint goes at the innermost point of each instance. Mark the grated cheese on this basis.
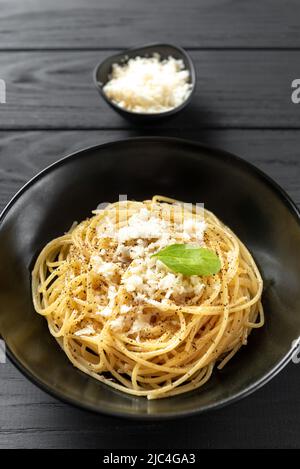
(125, 309)
(117, 323)
(108, 310)
(132, 282)
(107, 269)
(149, 84)
(140, 323)
(88, 330)
(142, 225)
(143, 276)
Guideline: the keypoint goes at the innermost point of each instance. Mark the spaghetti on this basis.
(124, 318)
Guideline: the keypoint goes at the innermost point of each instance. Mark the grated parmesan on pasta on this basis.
(144, 234)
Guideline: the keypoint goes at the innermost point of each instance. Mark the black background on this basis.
(246, 55)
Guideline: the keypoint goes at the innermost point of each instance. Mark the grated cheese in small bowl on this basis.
(147, 84)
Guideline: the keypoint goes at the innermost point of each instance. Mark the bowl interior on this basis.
(243, 198)
(103, 71)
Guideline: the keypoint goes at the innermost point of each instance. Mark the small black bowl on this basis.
(103, 70)
(256, 208)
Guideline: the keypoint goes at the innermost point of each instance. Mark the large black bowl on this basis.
(258, 211)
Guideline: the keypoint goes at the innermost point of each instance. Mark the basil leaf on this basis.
(189, 260)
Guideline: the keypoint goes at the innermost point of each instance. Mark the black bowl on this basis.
(260, 213)
(103, 70)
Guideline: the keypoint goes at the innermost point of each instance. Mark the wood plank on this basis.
(235, 89)
(23, 154)
(29, 418)
(111, 23)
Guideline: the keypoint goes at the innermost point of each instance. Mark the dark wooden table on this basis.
(246, 55)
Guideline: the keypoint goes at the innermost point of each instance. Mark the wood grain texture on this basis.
(23, 154)
(115, 23)
(235, 89)
(267, 419)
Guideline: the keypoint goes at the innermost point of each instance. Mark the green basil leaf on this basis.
(189, 260)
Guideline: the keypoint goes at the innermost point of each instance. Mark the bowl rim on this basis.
(147, 115)
(215, 153)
